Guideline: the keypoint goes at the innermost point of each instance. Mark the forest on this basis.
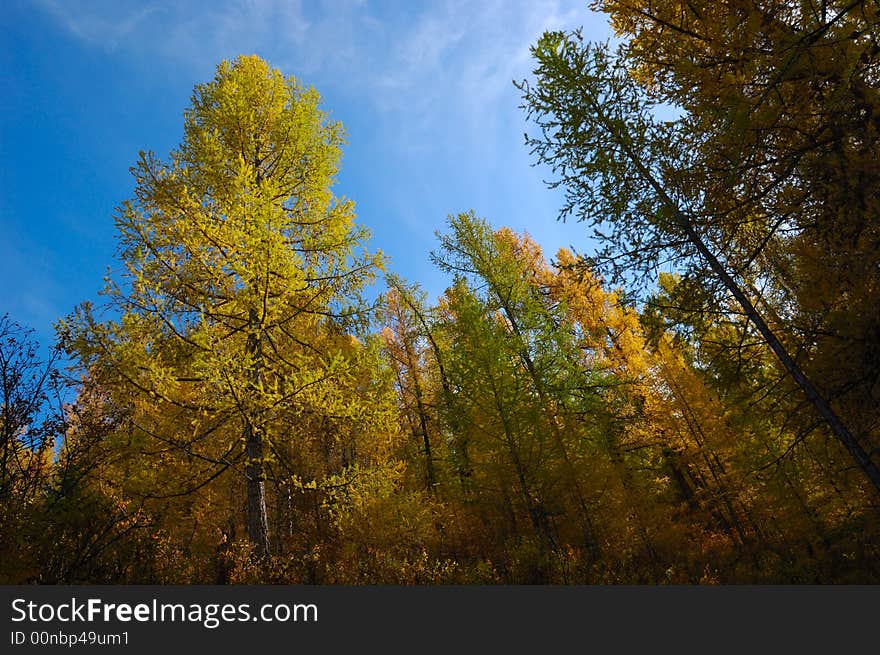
(258, 397)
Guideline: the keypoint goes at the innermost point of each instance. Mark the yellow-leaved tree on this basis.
(229, 333)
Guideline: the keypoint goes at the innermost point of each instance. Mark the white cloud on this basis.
(431, 81)
(412, 57)
(103, 25)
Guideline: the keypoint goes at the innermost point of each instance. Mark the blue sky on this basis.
(424, 90)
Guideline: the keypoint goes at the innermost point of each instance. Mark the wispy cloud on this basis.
(400, 54)
(430, 84)
(105, 27)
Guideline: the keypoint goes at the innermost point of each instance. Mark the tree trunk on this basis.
(869, 468)
(257, 520)
(258, 524)
(430, 477)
